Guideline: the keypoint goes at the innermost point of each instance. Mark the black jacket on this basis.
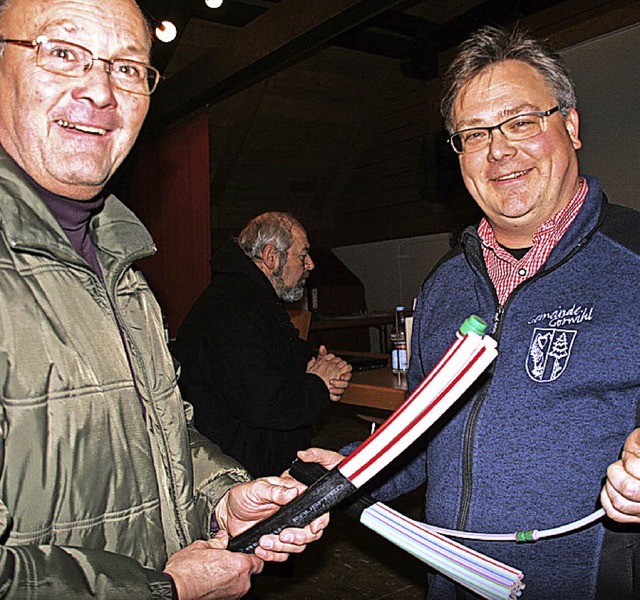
(244, 368)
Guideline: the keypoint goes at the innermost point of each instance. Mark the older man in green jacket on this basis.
(106, 490)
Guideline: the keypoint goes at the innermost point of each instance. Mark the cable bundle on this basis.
(465, 360)
(481, 574)
(486, 577)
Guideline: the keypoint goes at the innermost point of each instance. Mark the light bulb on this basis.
(213, 3)
(166, 31)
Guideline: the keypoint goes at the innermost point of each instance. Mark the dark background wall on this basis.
(355, 148)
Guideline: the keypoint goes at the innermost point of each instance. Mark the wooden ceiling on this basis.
(329, 108)
(218, 52)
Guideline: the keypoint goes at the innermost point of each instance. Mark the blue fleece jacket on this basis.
(529, 447)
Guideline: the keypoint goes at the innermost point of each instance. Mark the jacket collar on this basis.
(230, 258)
(29, 225)
(584, 225)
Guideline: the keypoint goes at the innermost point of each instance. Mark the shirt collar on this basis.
(552, 229)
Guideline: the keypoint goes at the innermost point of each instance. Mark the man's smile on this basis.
(513, 175)
(82, 128)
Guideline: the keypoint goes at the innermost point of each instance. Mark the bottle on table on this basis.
(399, 361)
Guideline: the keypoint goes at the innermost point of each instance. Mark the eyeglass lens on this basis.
(520, 127)
(64, 58)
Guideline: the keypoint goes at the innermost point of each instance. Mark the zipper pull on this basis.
(496, 318)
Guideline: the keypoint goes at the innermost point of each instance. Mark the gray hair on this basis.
(268, 228)
(491, 45)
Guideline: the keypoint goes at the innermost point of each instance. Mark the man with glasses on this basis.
(555, 269)
(106, 489)
(254, 384)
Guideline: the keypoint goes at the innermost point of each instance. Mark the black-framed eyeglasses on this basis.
(71, 60)
(515, 129)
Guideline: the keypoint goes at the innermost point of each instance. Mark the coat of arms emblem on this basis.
(549, 353)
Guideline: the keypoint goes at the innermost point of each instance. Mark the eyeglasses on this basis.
(71, 60)
(515, 129)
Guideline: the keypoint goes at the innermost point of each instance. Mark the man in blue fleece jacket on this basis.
(555, 269)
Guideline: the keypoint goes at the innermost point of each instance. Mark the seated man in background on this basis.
(106, 490)
(255, 386)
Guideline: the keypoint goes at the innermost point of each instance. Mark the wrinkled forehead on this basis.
(117, 22)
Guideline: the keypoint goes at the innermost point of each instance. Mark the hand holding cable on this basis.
(620, 495)
(246, 504)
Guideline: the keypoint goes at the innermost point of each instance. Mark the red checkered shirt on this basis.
(507, 272)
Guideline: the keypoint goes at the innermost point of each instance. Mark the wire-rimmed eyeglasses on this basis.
(515, 129)
(72, 60)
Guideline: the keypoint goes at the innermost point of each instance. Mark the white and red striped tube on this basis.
(461, 365)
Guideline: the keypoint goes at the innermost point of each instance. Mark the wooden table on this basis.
(377, 388)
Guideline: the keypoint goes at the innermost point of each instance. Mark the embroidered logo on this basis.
(549, 353)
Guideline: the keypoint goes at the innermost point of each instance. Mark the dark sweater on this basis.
(243, 367)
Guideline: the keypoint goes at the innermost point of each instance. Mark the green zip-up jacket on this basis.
(96, 492)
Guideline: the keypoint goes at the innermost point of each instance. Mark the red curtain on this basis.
(169, 192)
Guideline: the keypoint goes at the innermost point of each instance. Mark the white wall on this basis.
(606, 72)
(392, 271)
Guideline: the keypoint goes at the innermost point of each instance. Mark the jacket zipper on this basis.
(180, 525)
(470, 426)
(469, 432)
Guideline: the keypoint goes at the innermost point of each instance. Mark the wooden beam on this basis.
(280, 36)
(590, 17)
(577, 21)
(374, 41)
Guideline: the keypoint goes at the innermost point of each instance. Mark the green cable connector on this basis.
(525, 536)
(474, 324)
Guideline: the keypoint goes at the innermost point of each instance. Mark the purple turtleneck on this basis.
(74, 216)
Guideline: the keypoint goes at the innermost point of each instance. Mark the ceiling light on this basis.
(166, 31)
(213, 3)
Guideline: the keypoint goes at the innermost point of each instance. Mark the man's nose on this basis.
(309, 265)
(96, 84)
(499, 145)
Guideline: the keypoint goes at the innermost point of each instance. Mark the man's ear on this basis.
(572, 123)
(270, 257)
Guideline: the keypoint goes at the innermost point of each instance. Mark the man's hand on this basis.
(327, 458)
(246, 504)
(204, 570)
(620, 495)
(334, 371)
